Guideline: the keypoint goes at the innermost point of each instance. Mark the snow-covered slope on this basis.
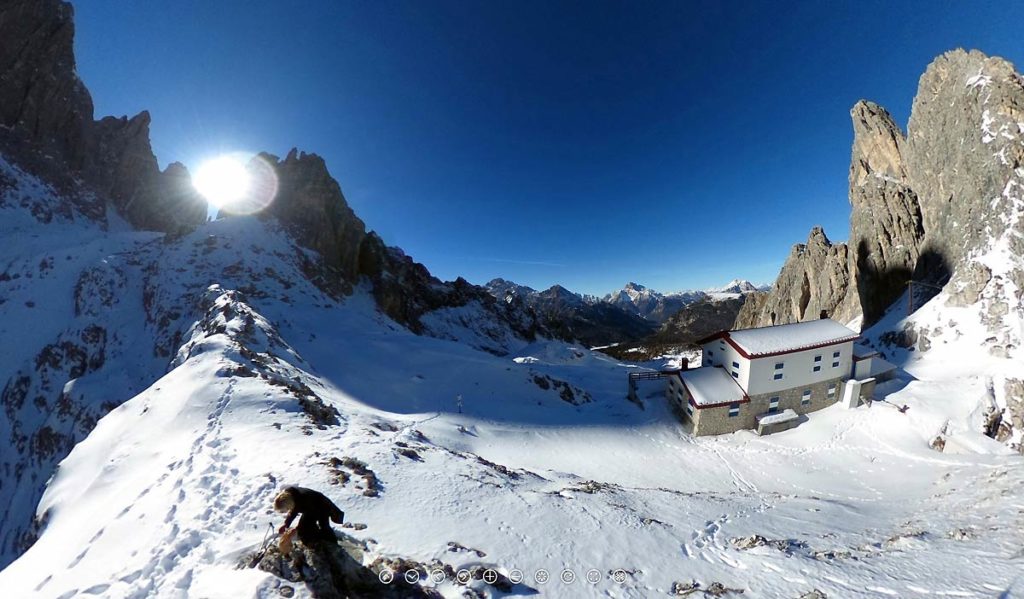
(529, 461)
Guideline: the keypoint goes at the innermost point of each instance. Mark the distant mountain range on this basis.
(628, 314)
(634, 298)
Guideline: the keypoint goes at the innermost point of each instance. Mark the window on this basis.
(778, 376)
(735, 364)
(817, 369)
(689, 408)
(710, 353)
(779, 365)
(773, 405)
(817, 358)
(835, 354)
(835, 364)
(806, 398)
(711, 362)
(832, 390)
(735, 374)
(734, 410)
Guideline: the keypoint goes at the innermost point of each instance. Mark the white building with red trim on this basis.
(778, 372)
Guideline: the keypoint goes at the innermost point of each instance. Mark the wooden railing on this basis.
(651, 375)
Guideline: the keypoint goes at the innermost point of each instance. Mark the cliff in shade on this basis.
(925, 206)
(47, 122)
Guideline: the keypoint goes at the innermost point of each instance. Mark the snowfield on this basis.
(529, 460)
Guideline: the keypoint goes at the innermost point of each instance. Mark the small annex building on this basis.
(764, 378)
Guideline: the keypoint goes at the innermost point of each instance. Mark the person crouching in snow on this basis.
(317, 512)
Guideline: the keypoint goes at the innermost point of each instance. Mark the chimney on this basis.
(823, 315)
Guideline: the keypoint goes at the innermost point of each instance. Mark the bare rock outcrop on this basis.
(311, 205)
(123, 168)
(885, 221)
(814, 278)
(40, 94)
(964, 149)
(47, 114)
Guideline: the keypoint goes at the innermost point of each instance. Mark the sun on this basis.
(223, 180)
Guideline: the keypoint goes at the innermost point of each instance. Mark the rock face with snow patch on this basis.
(965, 152)
(923, 205)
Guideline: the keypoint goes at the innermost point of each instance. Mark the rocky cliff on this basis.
(923, 205)
(47, 118)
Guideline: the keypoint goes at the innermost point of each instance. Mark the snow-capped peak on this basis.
(735, 286)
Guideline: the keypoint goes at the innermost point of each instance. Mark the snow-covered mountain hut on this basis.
(747, 375)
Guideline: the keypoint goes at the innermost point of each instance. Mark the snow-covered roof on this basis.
(709, 386)
(786, 338)
(783, 416)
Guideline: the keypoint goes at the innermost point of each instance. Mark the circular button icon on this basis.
(386, 576)
(463, 576)
(490, 576)
(515, 576)
(568, 576)
(619, 576)
(593, 576)
(437, 576)
(412, 576)
(541, 576)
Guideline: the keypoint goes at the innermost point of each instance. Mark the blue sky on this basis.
(676, 144)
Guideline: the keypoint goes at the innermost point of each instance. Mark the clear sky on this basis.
(678, 144)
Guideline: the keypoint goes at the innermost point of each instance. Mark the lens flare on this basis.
(236, 183)
(223, 181)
